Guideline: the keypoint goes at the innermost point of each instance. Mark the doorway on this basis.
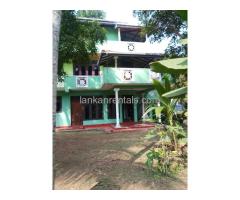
(77, 111)
(128, 110)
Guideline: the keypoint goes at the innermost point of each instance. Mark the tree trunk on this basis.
(56, 31)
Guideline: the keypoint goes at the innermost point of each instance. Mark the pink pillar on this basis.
(93, 71)
(79, 70)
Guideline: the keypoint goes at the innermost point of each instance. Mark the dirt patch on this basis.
(96, 160)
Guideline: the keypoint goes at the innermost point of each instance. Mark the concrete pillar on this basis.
(119, 34)
(117, 108)
(105, 109)
(135, 111)
(121, 112)
(93, 71)
(79, 70)
(116, 59)
(143, 105)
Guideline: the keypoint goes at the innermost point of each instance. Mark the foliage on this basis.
(170, 66)
(99, 14)
(164, 158)
(168, 98)
(175, 50)
(78, 39)
(161, 24)
(170, 154)
(176, 93)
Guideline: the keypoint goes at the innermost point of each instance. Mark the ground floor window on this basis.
(93, 109)
(59, 104)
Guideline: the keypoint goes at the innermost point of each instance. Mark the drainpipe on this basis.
(117, 107)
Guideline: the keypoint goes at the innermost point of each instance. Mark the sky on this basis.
(125, 15)
(122, 15)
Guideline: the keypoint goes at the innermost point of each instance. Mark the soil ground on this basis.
(101, 161)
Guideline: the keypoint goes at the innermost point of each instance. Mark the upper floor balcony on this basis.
(109, 77)
(129, 47)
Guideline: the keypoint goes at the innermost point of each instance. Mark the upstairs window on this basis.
(90, 71)
(76, 70)
(83, 70)
(132, 35)
(96, 70)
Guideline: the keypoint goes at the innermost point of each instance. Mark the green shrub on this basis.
(164, 158)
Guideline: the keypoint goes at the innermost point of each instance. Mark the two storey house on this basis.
(120, 70)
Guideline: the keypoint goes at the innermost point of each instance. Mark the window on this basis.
(111, 107)
(89, 70)
(76, 70)
(96, 70)
(59, 104)
(93, 109)
(132, 35)
(83, 70)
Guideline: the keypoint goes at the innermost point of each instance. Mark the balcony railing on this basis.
(130, 47)
(109, 75)
(126, 75)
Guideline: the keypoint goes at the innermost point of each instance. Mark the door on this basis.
(77, 111)
(128, 112)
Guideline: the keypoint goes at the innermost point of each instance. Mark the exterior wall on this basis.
(115, 75)
(123, 47)
(110, 75)
(94, 82)
(112, 34)
(63, 118)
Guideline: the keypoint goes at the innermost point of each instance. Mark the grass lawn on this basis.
(97, 160)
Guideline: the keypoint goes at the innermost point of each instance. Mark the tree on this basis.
(78, 39)
(168, 153)
(99, 14)
(56, 31)
(161, 24)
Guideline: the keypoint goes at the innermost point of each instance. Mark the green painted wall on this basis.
(94, 82)
(113, 75)
(63, 118)
(112, 34)
(99, 121)
(110, 76)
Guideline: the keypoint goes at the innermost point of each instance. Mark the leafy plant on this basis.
(163, 158)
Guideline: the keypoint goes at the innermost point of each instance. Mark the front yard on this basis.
(97, 160)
